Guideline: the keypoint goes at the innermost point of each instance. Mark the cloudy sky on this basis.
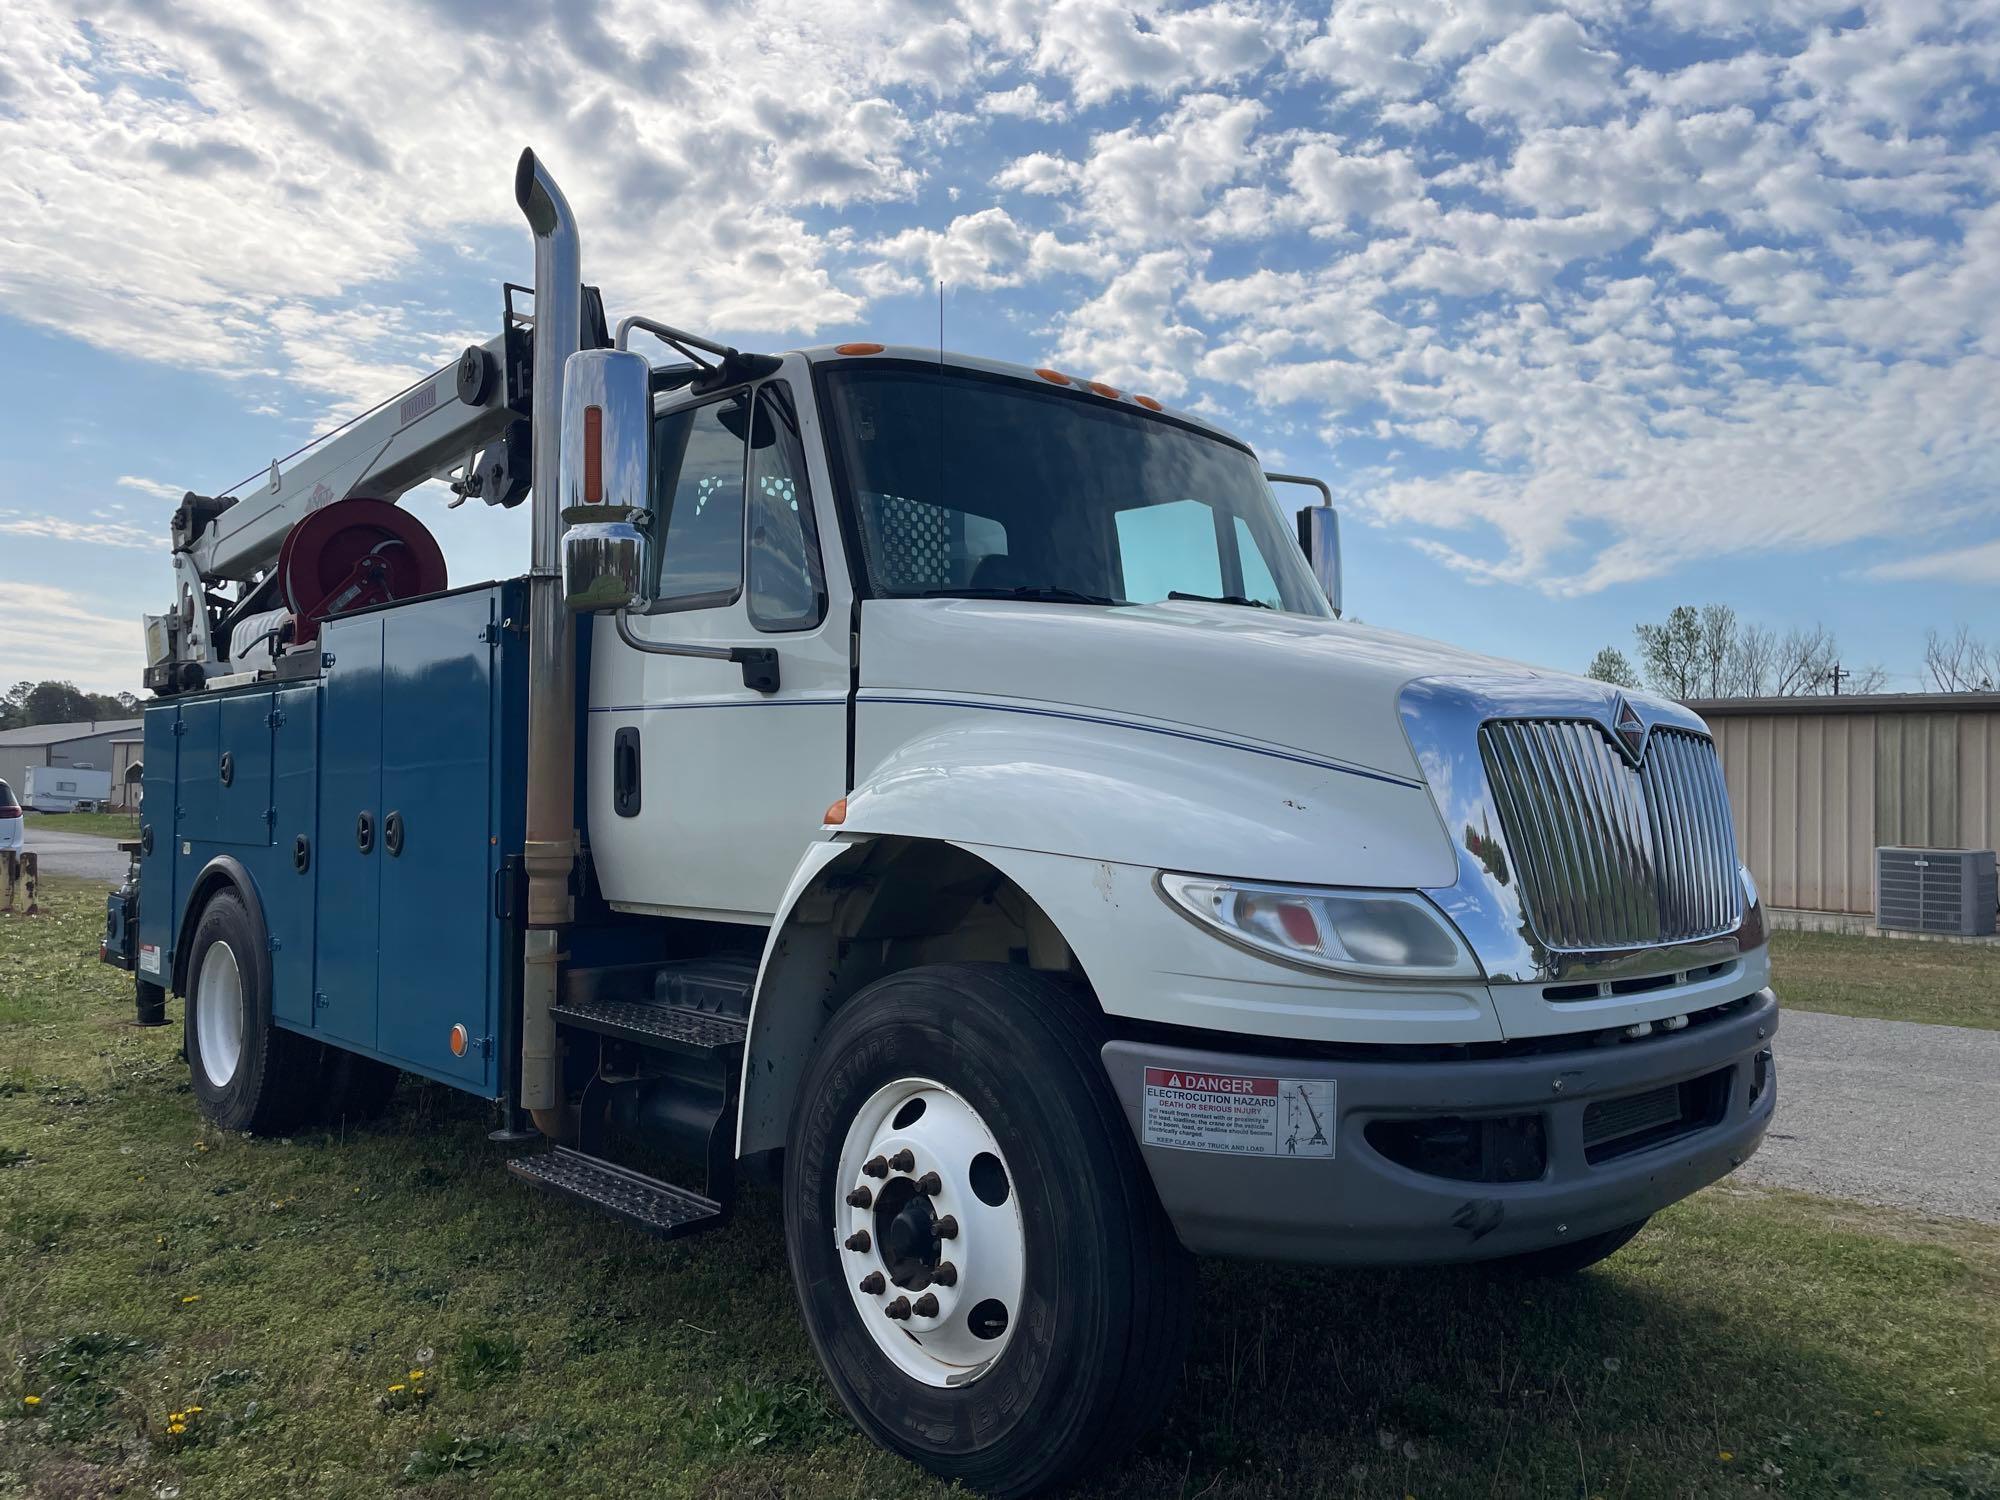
(1585, 312)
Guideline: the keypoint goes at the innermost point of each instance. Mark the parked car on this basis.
(13, 832)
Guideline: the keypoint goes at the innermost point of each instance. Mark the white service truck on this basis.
(953, 787)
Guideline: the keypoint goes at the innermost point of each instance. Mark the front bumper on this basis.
(1357, 1206)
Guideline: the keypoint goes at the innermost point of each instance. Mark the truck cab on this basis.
(951, 788)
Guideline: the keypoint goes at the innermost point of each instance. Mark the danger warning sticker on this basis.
(149, 957)
(1242, 1116)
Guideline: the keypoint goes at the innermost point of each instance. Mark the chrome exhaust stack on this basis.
(549, 853)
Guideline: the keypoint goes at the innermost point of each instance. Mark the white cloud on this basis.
(1548, 70)
(47, 631)
(1026, 102)
(1105, 48)
(95, 533)
(1039, 172)
(1978, 564)
(1336, 188)
(157, 488)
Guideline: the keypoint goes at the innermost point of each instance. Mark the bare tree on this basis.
(1710, 653)
(1716, 641)
(1804, 663)
(1961, 662)
(1752, 661)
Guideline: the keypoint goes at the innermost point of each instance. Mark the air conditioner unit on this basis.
(1936, 890)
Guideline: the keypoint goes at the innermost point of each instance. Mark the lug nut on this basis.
(899, 1309)
(876, 1168)
(946, 1274)
(860, 1198)
(873, 1284)
(904, 1160)
(930, 1184)
(858, 1240)
(947, 1228)
(926, 1306)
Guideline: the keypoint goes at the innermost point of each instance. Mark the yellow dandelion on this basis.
(416, 1374)
(31, 1400)
(176, 1416)
(191, 1297)
(396, 1389)
(175, 1429)
(1726, 1456)
(194, 1411)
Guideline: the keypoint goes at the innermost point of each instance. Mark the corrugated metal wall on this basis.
(1816, 788)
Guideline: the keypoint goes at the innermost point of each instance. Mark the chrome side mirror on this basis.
(1319, 535)
(603, 479)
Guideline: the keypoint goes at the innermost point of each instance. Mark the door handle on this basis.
(625, 773)
(364, 832)
(392, 834)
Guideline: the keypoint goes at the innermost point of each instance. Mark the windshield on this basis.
(983, 485)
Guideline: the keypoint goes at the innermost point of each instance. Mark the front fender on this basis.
(1135, 793)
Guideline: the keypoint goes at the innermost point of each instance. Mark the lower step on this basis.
(641, 1201)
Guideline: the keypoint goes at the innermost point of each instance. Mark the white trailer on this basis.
(58, 789)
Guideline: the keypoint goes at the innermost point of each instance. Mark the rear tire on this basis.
(1093, 1347)
(247, 1073)
(1567, 1260)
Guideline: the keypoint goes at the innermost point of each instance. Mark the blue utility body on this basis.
(401, 768)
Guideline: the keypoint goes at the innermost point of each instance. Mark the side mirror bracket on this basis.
(1319, 535)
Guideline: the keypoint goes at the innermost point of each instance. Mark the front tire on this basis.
(247, 1073)
(1058, 1336)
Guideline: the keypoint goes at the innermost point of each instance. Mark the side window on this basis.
(1167, 547)
(698, 504)
(1257, 580)
(787, 587)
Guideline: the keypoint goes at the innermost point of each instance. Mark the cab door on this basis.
(705, 788)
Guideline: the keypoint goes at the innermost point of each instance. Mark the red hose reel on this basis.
(351, 554)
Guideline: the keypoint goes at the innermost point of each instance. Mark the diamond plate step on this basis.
(672, 1026)
(641, 1201)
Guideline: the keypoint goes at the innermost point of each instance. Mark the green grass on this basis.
(110, 825)
(1947, 984)
(1748, 1343)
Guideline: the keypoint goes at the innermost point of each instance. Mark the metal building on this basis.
(83, 744)
(1818, 783)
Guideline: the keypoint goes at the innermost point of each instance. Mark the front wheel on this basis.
(985, 1271)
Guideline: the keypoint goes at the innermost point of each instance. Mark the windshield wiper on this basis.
(1044, 595)
(1219, 599)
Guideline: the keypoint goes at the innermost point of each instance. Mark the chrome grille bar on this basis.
(1609, 856)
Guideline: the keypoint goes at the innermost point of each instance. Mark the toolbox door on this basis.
(347, 851)
(439, 848)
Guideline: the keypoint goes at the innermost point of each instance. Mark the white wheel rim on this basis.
(218, 1013)
(957, 1339)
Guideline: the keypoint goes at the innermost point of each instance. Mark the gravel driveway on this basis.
(1887, 1112)
(84, 854)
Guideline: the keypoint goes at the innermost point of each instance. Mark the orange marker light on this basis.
(1054, 377)
(460, 1040)
(836, 814)
(1149, 403)
(857, 348)
(1102, 389)
(593, 455)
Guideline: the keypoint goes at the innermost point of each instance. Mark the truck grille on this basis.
(1610, 856)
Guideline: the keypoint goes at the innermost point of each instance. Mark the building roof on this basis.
(56, 734)
(1851, 703)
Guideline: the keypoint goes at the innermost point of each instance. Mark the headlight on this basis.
(1390, 934)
